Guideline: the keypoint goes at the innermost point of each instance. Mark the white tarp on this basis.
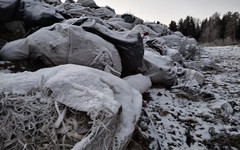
(111, 103)
(158, 68)
(139, 82)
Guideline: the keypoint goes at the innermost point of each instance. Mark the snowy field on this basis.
(193, 117)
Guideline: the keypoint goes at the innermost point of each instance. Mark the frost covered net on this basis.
(67, 106)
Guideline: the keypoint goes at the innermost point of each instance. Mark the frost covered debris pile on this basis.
(102, 49)
(194, 117)
(120, 53)
(112, 105)
(21, 17)
(96, 37)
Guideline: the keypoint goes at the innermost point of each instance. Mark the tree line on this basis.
(225, 30)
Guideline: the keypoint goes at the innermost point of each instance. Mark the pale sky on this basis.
(167, 10)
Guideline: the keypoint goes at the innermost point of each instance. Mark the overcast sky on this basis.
(167, 10)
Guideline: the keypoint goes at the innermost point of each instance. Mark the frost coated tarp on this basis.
(159, 68)
(85, 42)
(7, 10)
(88, 3)
(77, 10)
(188, 47)
(32, 13)
(113, 106)
(64, 44)
(35, 13)
(129, 44)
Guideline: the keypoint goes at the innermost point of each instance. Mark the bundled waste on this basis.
(67, 106)
(71, 106)
(99, 24)
(30, 123)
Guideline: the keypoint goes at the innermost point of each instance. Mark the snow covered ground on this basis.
(189, 116)
(193, 117)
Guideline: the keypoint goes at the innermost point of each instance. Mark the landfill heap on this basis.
(72, 73)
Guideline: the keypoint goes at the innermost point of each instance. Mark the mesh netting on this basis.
(27, 122)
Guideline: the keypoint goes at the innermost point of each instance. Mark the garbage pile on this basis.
(68, 106)
(84, 107)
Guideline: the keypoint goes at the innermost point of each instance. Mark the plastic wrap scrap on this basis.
(64, 44)
(129, 44)
(113, 106)
(139, 82)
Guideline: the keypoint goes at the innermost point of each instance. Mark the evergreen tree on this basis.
(198, 32)
(238, 30)
(203, 28)
(224, 20)
(197, 28)
(232, 26)
(180, 25)
(186, 26)
(189, 27)
(192, 28)
(204, 24)
(212, 29)
(173, 26)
